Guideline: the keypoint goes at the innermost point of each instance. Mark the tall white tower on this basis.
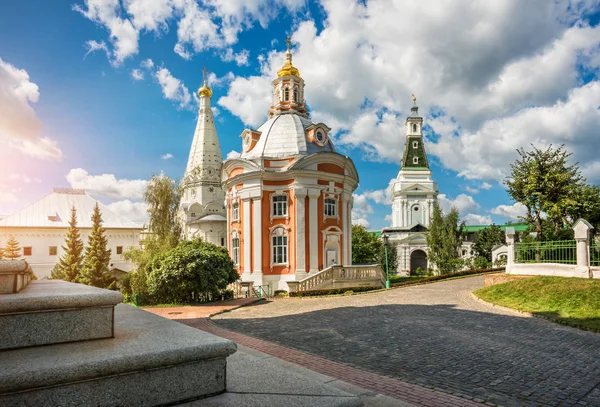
(202, 210)
(414, 195)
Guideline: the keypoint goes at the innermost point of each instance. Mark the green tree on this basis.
(366, 246)
(444, 240)
(587, 205)
(485, 240)
(69, 265)
(163, 196)
(547, 185)
(12, 250)
(194, 271)
(97, 257)
(392, 257)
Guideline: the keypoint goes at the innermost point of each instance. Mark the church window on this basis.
(27, 251)
(414, 128)
(119, 249)
(330, 207)
(235, 250)
(415, 160)
(295, 95)
(286, 94)
(235, 211)
(193, 214)
(52, 250)
(415, 144)
(279, 245)
(280, 205)
(464, 252)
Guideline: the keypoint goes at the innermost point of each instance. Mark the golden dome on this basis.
(205, 91)
(288, 69)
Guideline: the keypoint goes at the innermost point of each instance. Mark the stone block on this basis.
(14, 276)
(54, 311)
(150, 361)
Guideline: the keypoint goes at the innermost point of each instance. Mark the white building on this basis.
(202, 210)
(41, 229)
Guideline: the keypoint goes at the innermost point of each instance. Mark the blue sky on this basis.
(97, 94)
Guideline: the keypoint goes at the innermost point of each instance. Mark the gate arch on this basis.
(418, 258)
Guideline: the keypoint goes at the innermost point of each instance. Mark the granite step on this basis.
(151, 361)
(54, 311)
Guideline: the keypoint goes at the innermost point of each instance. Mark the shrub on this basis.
(281, 293)
(349, 292)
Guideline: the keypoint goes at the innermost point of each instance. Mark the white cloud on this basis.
(134, 211)
(150, 15)
(123, 35)
(248, 98)
(361, 210)
(147, 63)
(167, 156)
(93, 46)
(591, 171)
(173, 89)
(464, 203)
(233, 154)
(19, 126)
(485, 185)
(513, 212)
(471, 190)
(106, 185)
(137, 74)
(474, 219)
(240, 58)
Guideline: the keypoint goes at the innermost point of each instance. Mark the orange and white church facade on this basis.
(288, 197)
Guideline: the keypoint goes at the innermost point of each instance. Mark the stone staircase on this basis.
(370, 275)
(99, 352)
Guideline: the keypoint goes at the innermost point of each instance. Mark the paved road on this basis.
(436, 335)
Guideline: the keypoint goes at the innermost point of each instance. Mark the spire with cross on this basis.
(205, 90)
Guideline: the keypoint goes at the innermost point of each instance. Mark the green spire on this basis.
(414, 157)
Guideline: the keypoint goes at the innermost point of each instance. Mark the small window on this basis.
(415, 144)
(280, 248)
(193, 214)
(286, 94)
(330, 207)
(27, 251)
(235, 250)
(235, 211)
(415, 160)
(52, 251)
(280, 205)
(223, 241)
(414, 128)
(416, 208)
(119, 249)
(295, 95)
(320, 136)
(464, 252)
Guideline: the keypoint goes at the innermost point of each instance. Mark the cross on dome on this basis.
(288, 68)
(205, 90)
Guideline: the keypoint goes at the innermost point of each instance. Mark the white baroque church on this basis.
(414, 194)
(202, 210)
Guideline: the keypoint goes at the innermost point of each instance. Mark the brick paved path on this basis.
(200, 311)
(414, 394)
(437, 336)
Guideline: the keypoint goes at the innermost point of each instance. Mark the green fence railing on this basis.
(595, 253)
(560, 251)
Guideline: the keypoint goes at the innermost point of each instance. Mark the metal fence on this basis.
(561, 251)
(595, 252)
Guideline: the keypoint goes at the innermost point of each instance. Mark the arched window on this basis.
(235, 250)
(415, 144)
(279, 246)
(414, 128)
(235, 211)
(286, 94)
(330, 207)
(295, 95)
(415, 160)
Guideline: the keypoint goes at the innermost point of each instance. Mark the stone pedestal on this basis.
(14, 276)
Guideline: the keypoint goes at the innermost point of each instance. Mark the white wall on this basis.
(40, 240)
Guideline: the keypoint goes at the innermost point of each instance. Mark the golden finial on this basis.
(414, 98)
(288, 43)
(288, 68)
(205, 90)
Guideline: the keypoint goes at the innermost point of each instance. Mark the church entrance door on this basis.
(418, 258)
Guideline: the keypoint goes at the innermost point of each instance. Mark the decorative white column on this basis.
(582, 229)
(313, 223)
(405, 214)
(349, 226)
(300, 195)
(257, 237)
(247, 236)
(345, 229)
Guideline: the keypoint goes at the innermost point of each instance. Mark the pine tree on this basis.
(97, 257)
(12, 250)
(69, 265)
(444, 240)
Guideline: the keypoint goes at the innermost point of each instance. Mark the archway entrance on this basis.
(418, 258)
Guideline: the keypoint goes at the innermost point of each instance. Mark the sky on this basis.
(101, 94)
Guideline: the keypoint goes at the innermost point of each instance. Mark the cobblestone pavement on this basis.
(437, 336)
(200, 311)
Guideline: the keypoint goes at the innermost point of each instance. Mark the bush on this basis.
(419, 272)
(281, 293)
(333, 291)
(481, 263)
(349, 292)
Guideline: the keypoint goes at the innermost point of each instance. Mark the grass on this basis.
(400, 279)
(572, 301)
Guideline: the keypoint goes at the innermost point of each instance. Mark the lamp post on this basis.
(384, 237)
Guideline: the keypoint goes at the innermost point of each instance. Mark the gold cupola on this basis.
(205, 91)
(288, 68)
